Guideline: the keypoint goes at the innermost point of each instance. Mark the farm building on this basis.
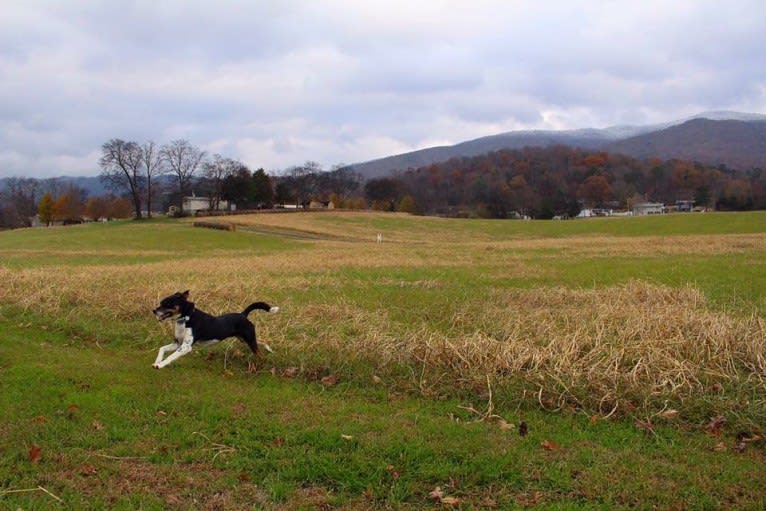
(648, 208)
(193, 204)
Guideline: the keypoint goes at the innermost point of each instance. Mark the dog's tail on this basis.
(260, 306)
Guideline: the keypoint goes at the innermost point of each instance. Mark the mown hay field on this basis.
(637, 323)
(611, 320)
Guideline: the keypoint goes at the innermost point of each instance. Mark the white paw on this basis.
(274, 309)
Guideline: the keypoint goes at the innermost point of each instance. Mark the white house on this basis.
(193, 204)
(648, 208)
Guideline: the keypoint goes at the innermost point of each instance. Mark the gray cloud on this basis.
(279, 83)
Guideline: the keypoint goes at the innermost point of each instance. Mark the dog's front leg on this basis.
(162, 351)
(183, 345)
(180, 352)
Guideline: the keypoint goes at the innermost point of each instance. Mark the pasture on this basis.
(601, 364)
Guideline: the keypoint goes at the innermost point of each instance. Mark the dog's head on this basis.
(173, 306)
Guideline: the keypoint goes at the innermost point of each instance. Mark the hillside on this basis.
(736, 144)
(734, 139)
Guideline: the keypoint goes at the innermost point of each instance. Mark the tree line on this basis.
(134, 169)
(544, 182)
(533, 181)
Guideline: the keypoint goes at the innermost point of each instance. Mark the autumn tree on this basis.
(595, 190)
(68, 208)
(407, 205)
(96, 208)
(119, 208)
(45, 209)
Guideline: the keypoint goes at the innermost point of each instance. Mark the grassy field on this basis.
(600, 364)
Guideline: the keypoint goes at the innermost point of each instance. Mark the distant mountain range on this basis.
(737, 140)
(734, 139)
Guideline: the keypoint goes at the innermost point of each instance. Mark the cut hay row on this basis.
(608, 349)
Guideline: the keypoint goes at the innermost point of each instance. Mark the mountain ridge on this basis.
(696, 140)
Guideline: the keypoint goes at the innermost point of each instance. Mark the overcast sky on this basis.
(278, 83)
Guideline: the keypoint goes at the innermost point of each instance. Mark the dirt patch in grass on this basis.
(178, 486)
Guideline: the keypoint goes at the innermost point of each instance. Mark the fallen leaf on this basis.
(376, 379)
(747, 437)
(450, 501)
(87, 470)
(278, 441)
(523, 429)
(505, 426)
(290, 372)
(594, 418)
(72, 411)
(529, 500)
(720, 447)
(549, 445)
(347, 437)
(35, 453)
(252, 368)
(716, 423)
(329, 381)
(394, 473)
(436, 494)
(669, 414)
(97, 426)
(161, 413)
(41, 419)
(645, 425)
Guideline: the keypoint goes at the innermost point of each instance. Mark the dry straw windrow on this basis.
(609, 348)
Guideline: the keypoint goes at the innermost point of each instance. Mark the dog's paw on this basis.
(156, 366)
(274, 309)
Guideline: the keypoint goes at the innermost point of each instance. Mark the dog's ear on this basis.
(185, 294)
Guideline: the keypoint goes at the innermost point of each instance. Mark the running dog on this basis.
(196, 328)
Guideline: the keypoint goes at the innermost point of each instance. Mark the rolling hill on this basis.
(733, 139)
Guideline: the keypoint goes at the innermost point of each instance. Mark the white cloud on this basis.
(279, 83)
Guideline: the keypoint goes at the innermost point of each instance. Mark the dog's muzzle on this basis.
(163, 314)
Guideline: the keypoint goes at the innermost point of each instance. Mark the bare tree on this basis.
(216, 171)
(182, 159)
(153, 166)
(18, 202)
(121, 163)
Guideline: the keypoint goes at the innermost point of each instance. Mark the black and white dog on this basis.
(196, 328)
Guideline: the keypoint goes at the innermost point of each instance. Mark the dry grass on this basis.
(610, 349)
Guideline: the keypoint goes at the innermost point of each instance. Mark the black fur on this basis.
(206, 327)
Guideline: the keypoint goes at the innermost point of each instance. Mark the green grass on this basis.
(115, 434)
(659, 225)
(127, 242)
(87, 424)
